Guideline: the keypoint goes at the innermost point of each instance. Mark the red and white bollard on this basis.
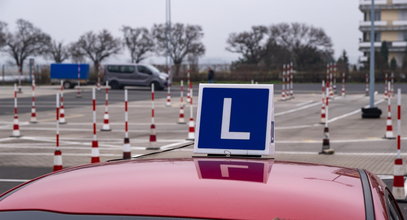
(389, 126)
(168, 100)
(153, 137)
(386, 79)
(291, 80)
(95, 144)
(62, 119)
(367, 85)
(334, 80)
(323, 116)
(326, 147)
(78, 87)
(343, 91)
(283, 93)
(98, 82)
(191, 97)
(33, 118)
(392, 85)
(331, 90)
(181, 118)
(191, 124)
(16, 125)
(57, 152)
(126, 144)
(399, 171)
(106, 125)
(188, 82)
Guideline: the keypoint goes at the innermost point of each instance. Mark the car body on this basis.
(203, 188)
(120, 75)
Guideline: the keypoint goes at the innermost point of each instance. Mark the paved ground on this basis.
(357, 142)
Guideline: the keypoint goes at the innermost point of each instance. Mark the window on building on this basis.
(377, 14)
(403, 15)
(366, 36)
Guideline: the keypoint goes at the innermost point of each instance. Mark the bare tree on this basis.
(139, 42)
(184, 40)
(76, 53)
(252, 45)
(57, 51)
(97, 47)
(3, 34)
(26, 41)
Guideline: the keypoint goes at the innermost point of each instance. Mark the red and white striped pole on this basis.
(126, 144)
(191, 97)
(323, 116)
(98, 83)
(78, 87)
(95, 145)
(188, 82)
(331, 90)
(334, 79)
(191, 124)
(16, 126)
(343, 92)
(326, 147)
(392, 85)
(168, 100)
(33, 118)
(57, 152)
(181, 118)
(106, 125)
(62, 119)
(367, 85)
(389, 126)
(291, 80)
(153, 137)
(398, 189)
(283, 95)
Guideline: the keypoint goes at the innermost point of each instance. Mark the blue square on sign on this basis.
(233, 118)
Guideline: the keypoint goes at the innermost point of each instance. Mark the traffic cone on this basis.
(62, 119)
(168, 100)
(33, 118)
(16, 126)
(106, 125)
(57, 152)
(153, 137)
(389, 126)
(95, 155)
(398, 180)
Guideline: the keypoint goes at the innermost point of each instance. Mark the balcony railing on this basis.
(399, 44)
(367, 44)
(376, 23)
(399, 23)
(376, 2)
(399, 1)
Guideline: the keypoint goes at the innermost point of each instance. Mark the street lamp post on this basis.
(372, 111)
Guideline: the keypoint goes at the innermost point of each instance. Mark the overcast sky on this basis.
(67, 19)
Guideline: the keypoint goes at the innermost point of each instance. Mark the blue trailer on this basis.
(70, 73)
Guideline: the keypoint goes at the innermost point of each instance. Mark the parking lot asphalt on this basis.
(357, 142)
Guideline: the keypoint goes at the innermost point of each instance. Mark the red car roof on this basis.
(199, 187)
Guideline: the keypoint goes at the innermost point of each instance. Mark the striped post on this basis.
(153, 137)
(366, 84)
(95, 145)
(283, 95)
(386, 79)
(57, 152)
(343, 91)
(126, 144)
(291, 80)
(78, 87)
(16, 126)
(334, 79)
(191, 97)
(20, 74)
(62, 119)
(98, 82)
(33, 118)
(191, 124)
(168, 100)
(331, 90)
(323, 116)
(392, 85)
(188, 82)
(398, 181)
(326, 147)
(181, 118)
(106, 125)
(389, 124)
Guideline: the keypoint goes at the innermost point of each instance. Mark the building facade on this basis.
(390, 26)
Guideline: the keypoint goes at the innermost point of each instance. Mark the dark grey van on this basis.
(121, 75)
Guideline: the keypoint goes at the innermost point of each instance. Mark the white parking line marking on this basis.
(352, 112)
(304, 103)
(297, 109)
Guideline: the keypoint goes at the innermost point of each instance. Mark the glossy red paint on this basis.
(199, 187)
